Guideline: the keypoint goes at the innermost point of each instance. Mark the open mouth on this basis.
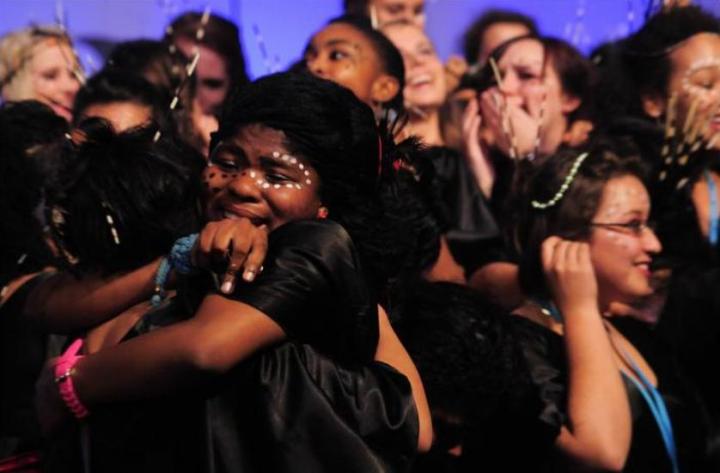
(420, 80)
(644, 266)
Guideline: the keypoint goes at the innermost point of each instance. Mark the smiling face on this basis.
(254, 175)
(424, 73)
(621, 255)
(53, 78)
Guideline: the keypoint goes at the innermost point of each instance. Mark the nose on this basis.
(316, 65)
(510, 84)
(412, 59)
(650, 241)
(245, 185)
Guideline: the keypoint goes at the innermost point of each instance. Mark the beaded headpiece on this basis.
(564, 187)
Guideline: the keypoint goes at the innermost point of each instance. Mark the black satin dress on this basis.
(315, 403)
(545, 353)
(472, 228)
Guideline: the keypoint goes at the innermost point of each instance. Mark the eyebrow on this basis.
(277, 163)
(229, 148)
(341, 42)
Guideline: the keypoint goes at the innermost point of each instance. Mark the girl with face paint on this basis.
(298, 179)
(669, 103)
(349, 52)
(586, 245)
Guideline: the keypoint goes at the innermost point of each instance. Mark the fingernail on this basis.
(226, 287)
(249, 275)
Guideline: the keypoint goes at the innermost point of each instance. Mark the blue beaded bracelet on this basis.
(179, 259)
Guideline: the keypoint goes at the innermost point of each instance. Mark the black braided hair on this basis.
(148, 189)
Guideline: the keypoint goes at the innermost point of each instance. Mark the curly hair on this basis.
(121, 200)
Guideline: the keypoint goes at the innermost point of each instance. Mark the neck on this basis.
(425, 123)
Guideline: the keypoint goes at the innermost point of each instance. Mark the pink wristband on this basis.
(64, 368)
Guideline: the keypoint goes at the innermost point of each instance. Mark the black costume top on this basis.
(690, 328)
(471, 225)
(545, 352)
(316, 402)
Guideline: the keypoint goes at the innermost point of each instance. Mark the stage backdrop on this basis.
(281, 28)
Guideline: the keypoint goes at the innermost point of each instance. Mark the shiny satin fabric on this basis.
(295, 410)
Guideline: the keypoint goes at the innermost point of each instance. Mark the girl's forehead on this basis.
(624, 194)
(526, 51)
(699, 48)
(341, 33)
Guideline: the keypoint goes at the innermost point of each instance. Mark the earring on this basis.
(322, 213)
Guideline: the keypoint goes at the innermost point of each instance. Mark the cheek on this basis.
(290, 203)
(214, 180)
(624, 244)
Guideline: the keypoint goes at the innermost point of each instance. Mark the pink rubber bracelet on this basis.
(64, 368)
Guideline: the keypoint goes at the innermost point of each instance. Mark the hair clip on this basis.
(565, 185)
(111, 222)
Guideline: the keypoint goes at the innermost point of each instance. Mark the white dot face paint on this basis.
(287, 160)
(695, 82)
(262, 180)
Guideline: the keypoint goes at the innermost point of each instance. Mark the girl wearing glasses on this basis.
(586, 244)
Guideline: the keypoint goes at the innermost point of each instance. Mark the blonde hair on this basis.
(16, 52)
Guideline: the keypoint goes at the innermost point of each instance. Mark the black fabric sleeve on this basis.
(545, 356)
(313, 286)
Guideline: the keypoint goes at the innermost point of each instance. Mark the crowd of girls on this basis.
(371, 262)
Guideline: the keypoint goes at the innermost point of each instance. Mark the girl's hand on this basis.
(472, 149)
(236, 243)
(514, 129)
(570, 275)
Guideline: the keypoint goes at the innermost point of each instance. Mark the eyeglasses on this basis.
(634, 227)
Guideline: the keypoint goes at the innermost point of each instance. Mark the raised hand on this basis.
(473, 152)
(514, 128)
(570, 275)
(236, 245)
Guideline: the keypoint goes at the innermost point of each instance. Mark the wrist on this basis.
(64, 371)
